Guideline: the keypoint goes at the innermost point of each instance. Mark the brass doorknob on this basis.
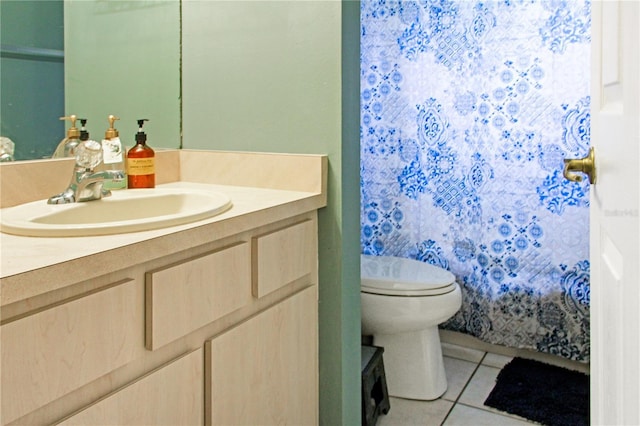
(586, 165)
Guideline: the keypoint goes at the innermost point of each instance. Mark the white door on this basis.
(615, 230)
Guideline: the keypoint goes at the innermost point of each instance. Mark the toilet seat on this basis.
(395, 276)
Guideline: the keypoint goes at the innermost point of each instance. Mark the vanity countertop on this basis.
(31, 266)
(34, 265)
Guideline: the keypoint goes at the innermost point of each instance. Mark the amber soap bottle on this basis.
(141, 162)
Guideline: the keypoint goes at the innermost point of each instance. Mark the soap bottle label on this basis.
(112, 151)
(141, 166)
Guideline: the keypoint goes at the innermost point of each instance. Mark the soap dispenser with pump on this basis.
(141, 166)
(67, 146)
(84, 133)
(112, 155)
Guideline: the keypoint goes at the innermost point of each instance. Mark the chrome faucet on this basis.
(87, 184)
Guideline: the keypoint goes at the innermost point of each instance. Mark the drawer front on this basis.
(171, 395)
(187, 296)
(55, 351)
(283, 256)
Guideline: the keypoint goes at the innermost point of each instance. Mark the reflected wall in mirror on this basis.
(123, 58)
(32, 76)
(120, 58)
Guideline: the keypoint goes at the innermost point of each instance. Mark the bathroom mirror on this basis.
(101, 57)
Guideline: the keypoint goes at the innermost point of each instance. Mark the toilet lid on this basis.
(396, 276)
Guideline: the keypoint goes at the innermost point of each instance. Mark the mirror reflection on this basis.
(92, 59)
(32, 79)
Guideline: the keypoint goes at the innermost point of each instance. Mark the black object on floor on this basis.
(375, 398)
(542, 393)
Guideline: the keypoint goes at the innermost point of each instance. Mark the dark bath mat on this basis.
(542, 393)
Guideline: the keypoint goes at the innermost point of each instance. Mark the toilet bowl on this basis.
(403, 301)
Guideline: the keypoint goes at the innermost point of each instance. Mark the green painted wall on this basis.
(350, 282)
(123, 58)
(271, 76)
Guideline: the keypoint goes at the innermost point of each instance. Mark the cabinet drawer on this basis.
(55, 351)
(187, 296)
(283, 256)
(171, 395)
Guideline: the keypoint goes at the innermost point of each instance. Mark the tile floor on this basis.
(471, 374)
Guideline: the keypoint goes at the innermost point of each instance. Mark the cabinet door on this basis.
(265, 371)
(171, 395)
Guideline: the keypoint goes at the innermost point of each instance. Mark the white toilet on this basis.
(403, 301)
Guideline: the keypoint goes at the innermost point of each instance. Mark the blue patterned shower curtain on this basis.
(468, 109)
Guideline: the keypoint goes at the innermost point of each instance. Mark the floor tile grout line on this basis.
(497, 412)
(460, 358)
(463, 389)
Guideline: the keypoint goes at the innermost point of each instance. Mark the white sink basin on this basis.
(124, 211)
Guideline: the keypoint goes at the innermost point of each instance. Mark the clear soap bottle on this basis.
(141, 162)
(67, 146)
(113, 155)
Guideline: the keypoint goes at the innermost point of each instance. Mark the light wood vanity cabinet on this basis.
(226, 333)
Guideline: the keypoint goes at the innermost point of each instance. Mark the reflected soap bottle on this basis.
(112, 155)
(67, 146)
(7, 148)
(141, 165)
(84, 136)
